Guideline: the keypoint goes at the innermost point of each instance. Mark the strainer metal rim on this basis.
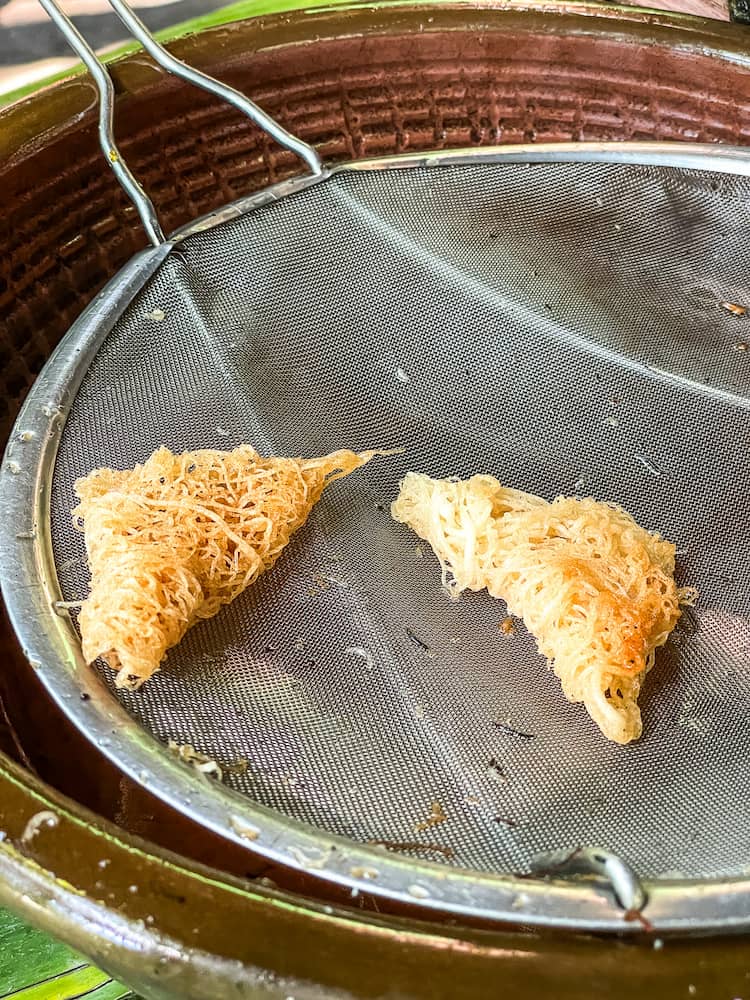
(30, 589)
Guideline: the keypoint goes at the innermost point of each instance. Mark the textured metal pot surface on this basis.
(356, 83)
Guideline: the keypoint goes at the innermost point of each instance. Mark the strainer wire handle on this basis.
(159, 54)
(106, 88)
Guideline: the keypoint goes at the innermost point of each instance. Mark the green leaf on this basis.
(78, 982)
(34, 966)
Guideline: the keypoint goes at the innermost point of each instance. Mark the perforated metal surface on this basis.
(556, 325)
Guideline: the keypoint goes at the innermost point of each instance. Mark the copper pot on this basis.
(356, 83)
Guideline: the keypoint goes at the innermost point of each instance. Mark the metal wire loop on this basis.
(159, 54)
(104, 85)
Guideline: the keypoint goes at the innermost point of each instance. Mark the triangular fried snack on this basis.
(595, 589)
(174, 539)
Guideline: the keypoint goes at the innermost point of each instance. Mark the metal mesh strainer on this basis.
(555, 323)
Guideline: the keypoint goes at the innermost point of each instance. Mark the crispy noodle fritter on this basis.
(173, 540)
(596, 590)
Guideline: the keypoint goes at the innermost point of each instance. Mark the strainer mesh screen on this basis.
(556, 325)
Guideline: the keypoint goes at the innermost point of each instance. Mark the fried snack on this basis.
(174, 539)
(595, 589)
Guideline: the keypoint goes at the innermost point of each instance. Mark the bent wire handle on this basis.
(595, 861)
(106, 89)
(159, 54)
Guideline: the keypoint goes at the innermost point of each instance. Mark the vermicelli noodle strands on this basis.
(595, 589)
(173, 540)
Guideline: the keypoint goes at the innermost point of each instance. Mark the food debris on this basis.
(417, 641)
(157, 315)
(418, 891)
(45, 818)
(364, 873)
(507, 627)
(504, 821)
(695, 724)
(401, 375)
(413, 845)
(321, 583)
(419, 711)
(733, 308)
(67, 605)
(506, 728)
(649, 465)
(690, 596)
(200, 761)
(222, 432)
(311, 861)
(419, 552)
(240, 766)
(63, 567)
(437, 816)
(363, 653)
(495, 771)
(742, 346)
(612, 421)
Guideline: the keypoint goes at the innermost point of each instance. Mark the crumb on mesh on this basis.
(437, 816)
